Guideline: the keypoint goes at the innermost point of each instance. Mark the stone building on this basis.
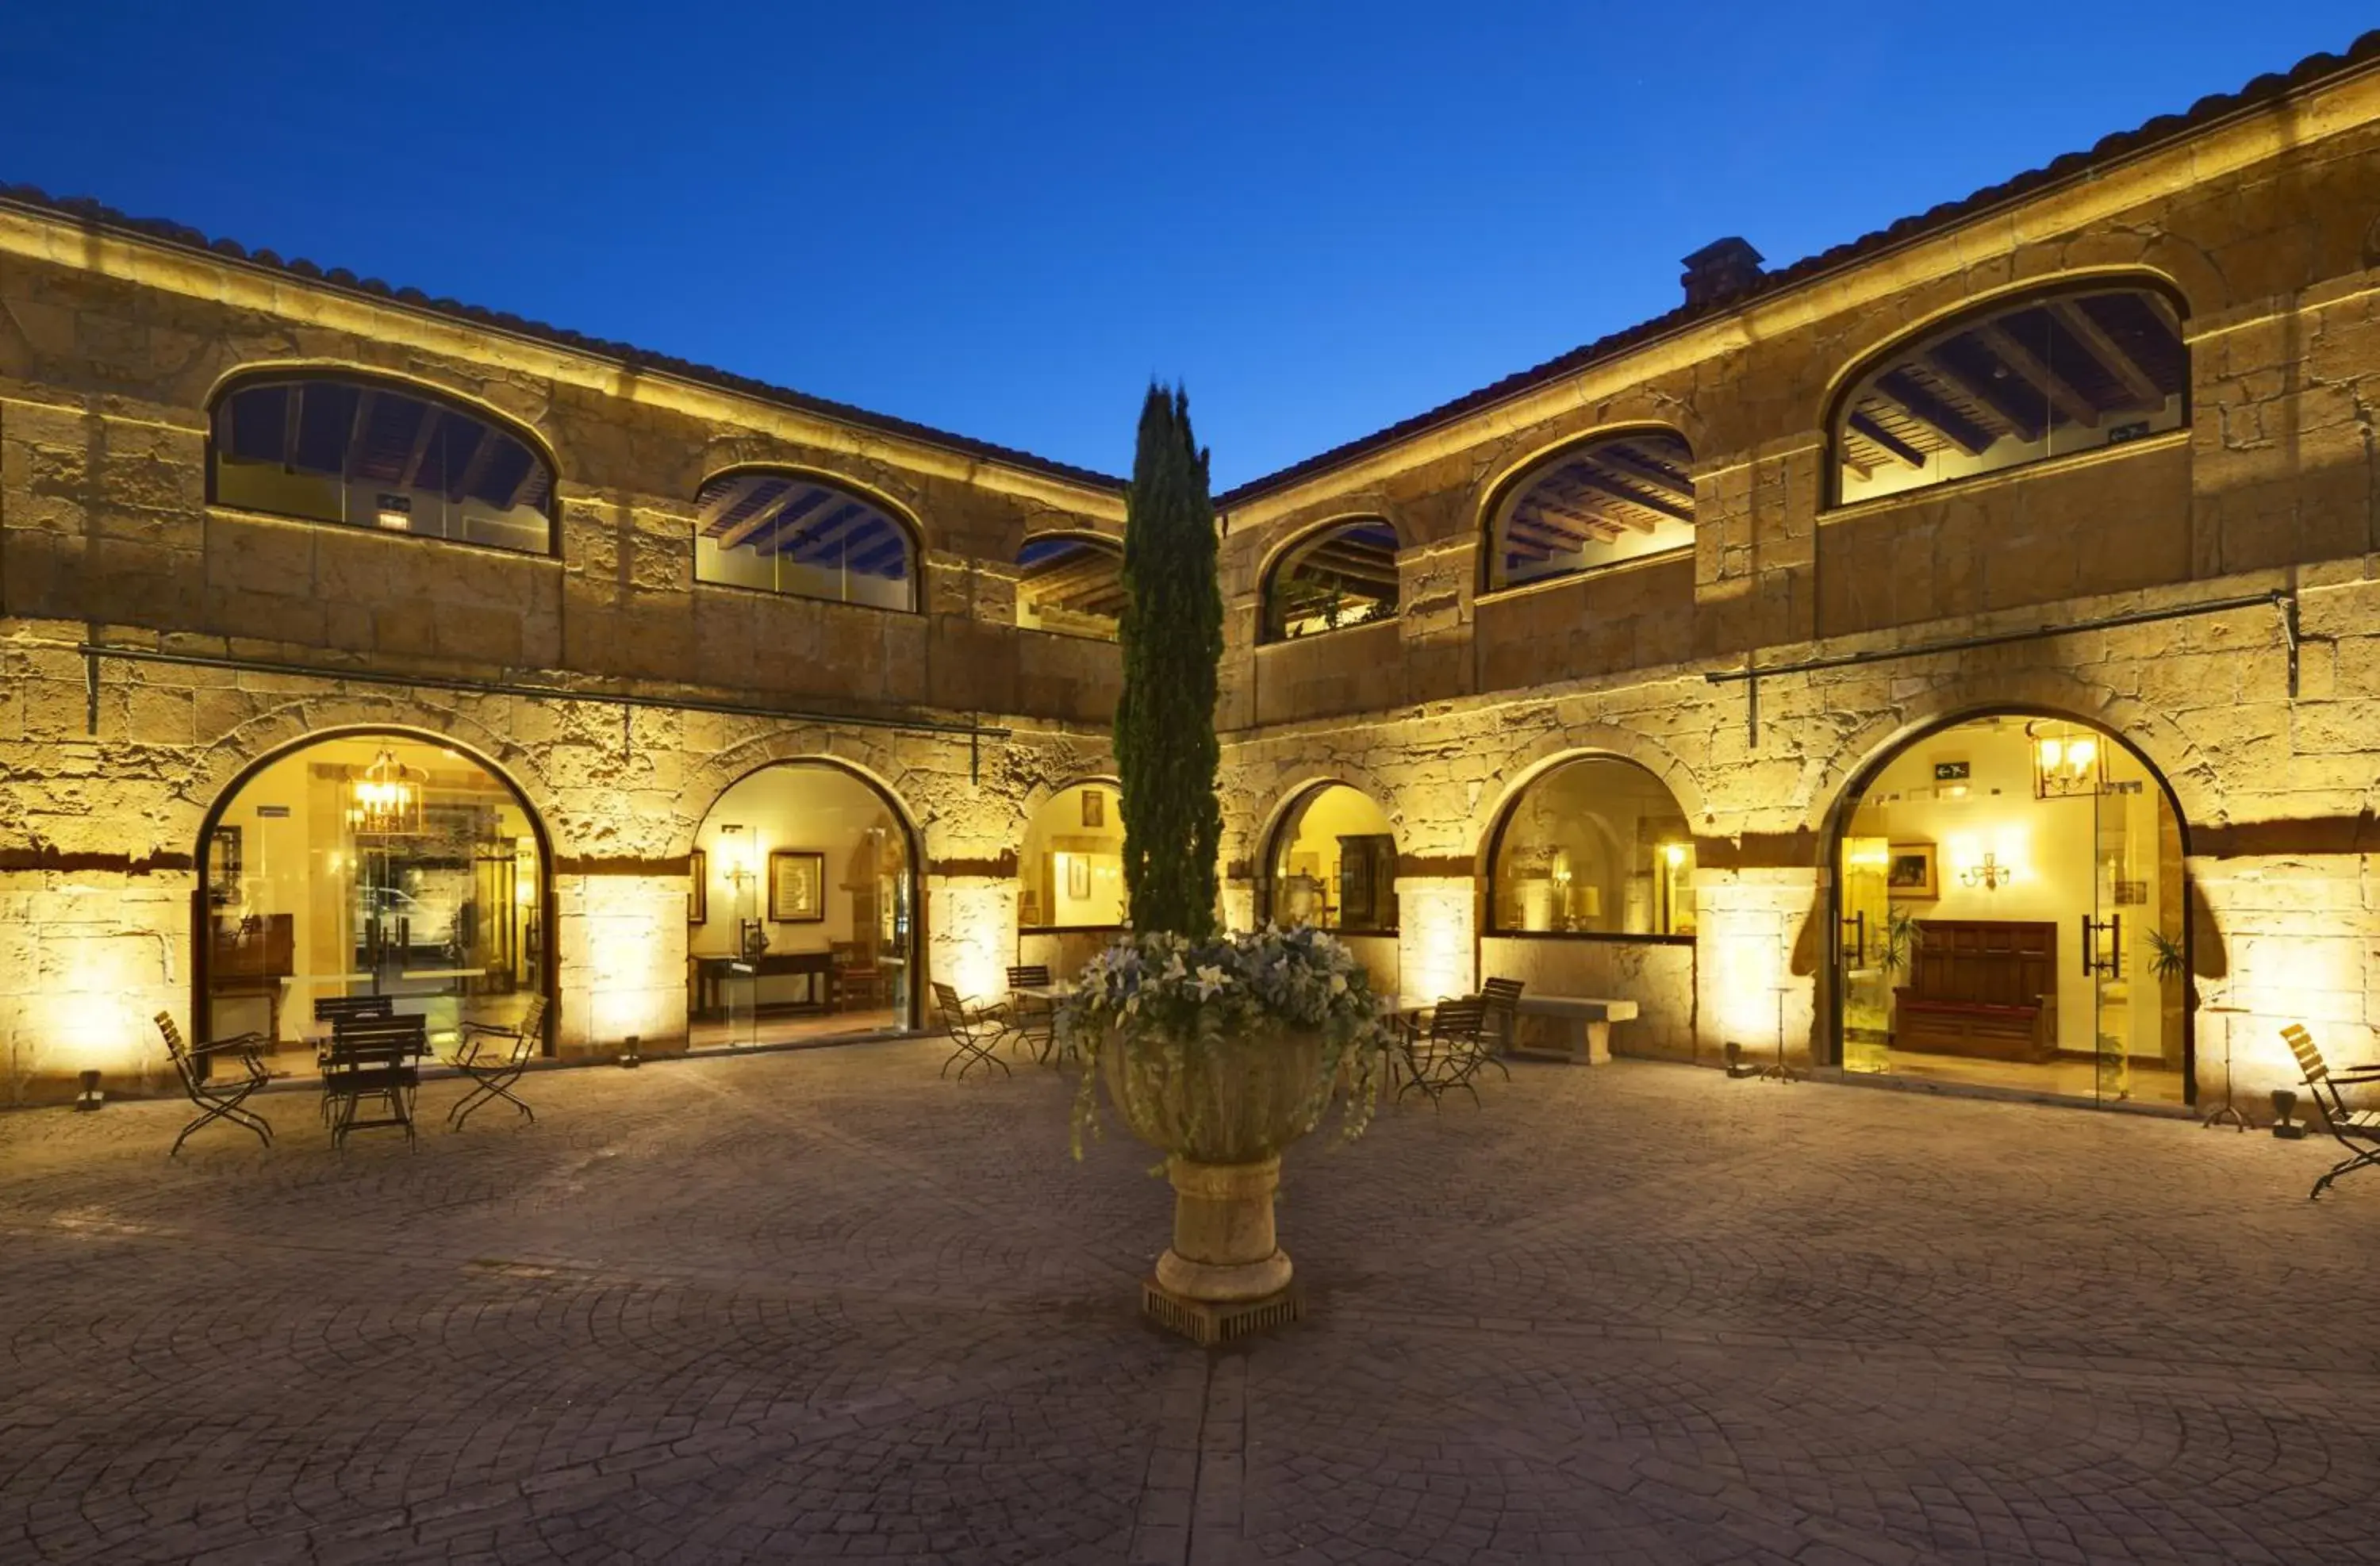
(1954, 655)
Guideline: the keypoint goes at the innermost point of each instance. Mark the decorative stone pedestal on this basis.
(1211, 1325)
(1225, 1276)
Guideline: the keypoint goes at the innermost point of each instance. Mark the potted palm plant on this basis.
(1220, 1050)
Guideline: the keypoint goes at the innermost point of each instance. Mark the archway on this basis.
(1332, 862)
(802, 909)
(1591, 892)
(1070, 898)
(2011, 911)
(371, 862)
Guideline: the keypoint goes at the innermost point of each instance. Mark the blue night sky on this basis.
(1003, 220)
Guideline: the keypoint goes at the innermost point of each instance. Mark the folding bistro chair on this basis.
(1031, 1018)
(975, 1031)
(1447, 1051)
(373, 1058)
(218, 1100)
(2348, 1126)
(493, 1058)
(329, 1008)
(1504, 999)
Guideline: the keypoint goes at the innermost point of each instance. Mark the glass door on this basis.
(1864, 954)
(2106, 959)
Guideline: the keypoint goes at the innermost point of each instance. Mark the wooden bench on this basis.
(1984, 989)
(1569, 1028)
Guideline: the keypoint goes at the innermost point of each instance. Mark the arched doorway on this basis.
(801, 913)
(1332, 863)
(1591, 892)
(371, 862)
(1070, 897)
(2011, 911)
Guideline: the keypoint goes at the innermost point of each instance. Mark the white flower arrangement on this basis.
(1194, 1003)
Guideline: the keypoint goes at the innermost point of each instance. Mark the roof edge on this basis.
(2067, 169)
(92, 215)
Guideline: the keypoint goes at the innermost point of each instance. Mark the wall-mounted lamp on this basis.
(735, 854)
(1987, 873)
(1675, 853)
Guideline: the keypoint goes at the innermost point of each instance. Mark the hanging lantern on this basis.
(384, 799)
(2067, 760)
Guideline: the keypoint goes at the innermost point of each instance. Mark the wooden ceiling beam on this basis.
(732, 495)
(358, 426)
(1604, 483)
(477, 468)
(2046, 380)
(1574, 510)
(1920, 403)
(1884, 439)
(1555, 526)
(1997, 396)
(827, 526)
(409, 477)
(1646, 472)
(291, 417)
(2109, 353)
(772, 511)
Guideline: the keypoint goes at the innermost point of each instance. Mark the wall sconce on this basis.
(91, 1098)
(1675, 853)
(1987, 873)
(735, 853)
(2066, 760)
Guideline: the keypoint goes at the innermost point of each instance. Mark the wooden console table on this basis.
(711, 975)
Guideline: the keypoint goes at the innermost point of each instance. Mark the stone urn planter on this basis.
(1221, 1054)
(1221, 1109)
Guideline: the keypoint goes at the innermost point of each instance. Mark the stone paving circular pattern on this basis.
(820, 1304)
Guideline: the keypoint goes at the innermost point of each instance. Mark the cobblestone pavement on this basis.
(817, 1304)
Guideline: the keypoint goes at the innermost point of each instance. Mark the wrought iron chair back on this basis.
(2356, 1130)
(1033, 1020)
(495, 1058)
(975, 1031)
(217, 1101)
(373, 1057)
(1502, 997)
(1447, 1052)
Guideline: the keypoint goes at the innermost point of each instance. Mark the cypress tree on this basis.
(1172, 636)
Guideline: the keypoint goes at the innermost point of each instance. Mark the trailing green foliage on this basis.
(1171, 632)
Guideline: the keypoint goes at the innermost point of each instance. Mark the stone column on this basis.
(1437, 921)
(2282, 938)
(971, 936)
(621, 941)
(1750, 988)
(87, 960)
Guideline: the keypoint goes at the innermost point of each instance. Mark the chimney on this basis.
(1719, 271)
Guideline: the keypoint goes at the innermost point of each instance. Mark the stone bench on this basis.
(1569, 1028)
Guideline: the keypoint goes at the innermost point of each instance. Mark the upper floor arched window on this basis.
(2041, 376)
(367, 453)
(1603, 502)
(1072, 583)
(803, 536)
(1340, 574)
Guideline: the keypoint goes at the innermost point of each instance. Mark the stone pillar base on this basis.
(1209, 1324)
(1223, 1250)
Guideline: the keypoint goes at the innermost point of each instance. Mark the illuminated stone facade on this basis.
(115, 338)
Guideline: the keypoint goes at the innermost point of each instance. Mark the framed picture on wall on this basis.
(1079, 876)
(796, 886)
(1909, 872)
(698, 888)
(1095, 808)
